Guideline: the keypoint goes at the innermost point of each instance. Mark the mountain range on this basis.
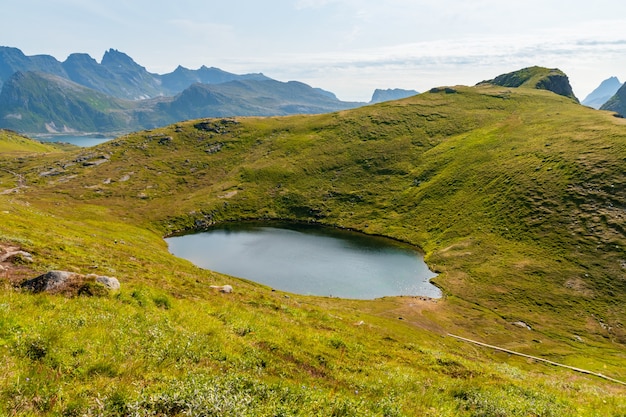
(117, 75)
(42, 95)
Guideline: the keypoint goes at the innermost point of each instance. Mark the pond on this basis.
(310, 260)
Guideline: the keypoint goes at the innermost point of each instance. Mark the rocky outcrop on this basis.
(70, 283)
(551, 79)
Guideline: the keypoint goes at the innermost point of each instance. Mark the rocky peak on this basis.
(551, 79)
(116, 59)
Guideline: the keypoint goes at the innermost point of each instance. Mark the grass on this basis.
(515, 196)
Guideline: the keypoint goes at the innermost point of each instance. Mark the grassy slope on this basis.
(13, 144)
(515, 195)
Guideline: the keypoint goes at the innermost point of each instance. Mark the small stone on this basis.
(522, 325)
(226, 289)
(109, 282)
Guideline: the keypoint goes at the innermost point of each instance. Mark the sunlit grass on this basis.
(514, 196)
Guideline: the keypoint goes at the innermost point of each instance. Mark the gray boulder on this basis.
(70, 283)
(51, 281)
(110, 282)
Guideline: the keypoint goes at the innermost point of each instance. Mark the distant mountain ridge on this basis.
(617, 102)
(38, 102)
(39, 94)
(389, 94)
(602, 93)
(117, 74)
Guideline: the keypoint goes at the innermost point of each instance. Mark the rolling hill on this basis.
(515, 194)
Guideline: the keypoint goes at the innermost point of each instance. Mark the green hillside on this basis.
(516, 196)
(14, 144)
(40, 102)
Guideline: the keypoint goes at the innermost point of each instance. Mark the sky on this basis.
(349, 47)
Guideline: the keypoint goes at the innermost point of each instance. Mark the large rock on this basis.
(71, 284)
(52, 281)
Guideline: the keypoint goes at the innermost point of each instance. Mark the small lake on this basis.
(310, 260)
(79, 140)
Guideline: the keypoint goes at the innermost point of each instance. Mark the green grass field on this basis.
(516, 196)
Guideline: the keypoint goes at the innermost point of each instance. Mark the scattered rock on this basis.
(95, 162)
(50, 173)
(522, 325)
(165, 140)
(16, 256)
(111, 283)
(216, 126)
(213, 148)
(226, 289)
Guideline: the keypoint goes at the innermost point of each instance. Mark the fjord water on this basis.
(310, 260)
(84, 141)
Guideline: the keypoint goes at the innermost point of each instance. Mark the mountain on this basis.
(515, 196)
(119, 95)
(391, 94)
(13, 60)
(602, 93)
(117, 74)
(37, 102)
(536, 77)
(181, 78)
(251, 97)
(42, 102)
(617, 103)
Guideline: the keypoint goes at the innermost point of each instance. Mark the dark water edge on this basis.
(309, 259)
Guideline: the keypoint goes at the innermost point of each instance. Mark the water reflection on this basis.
(312, 260)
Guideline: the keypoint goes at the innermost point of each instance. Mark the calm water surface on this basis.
(82, 141)
(310, 260)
